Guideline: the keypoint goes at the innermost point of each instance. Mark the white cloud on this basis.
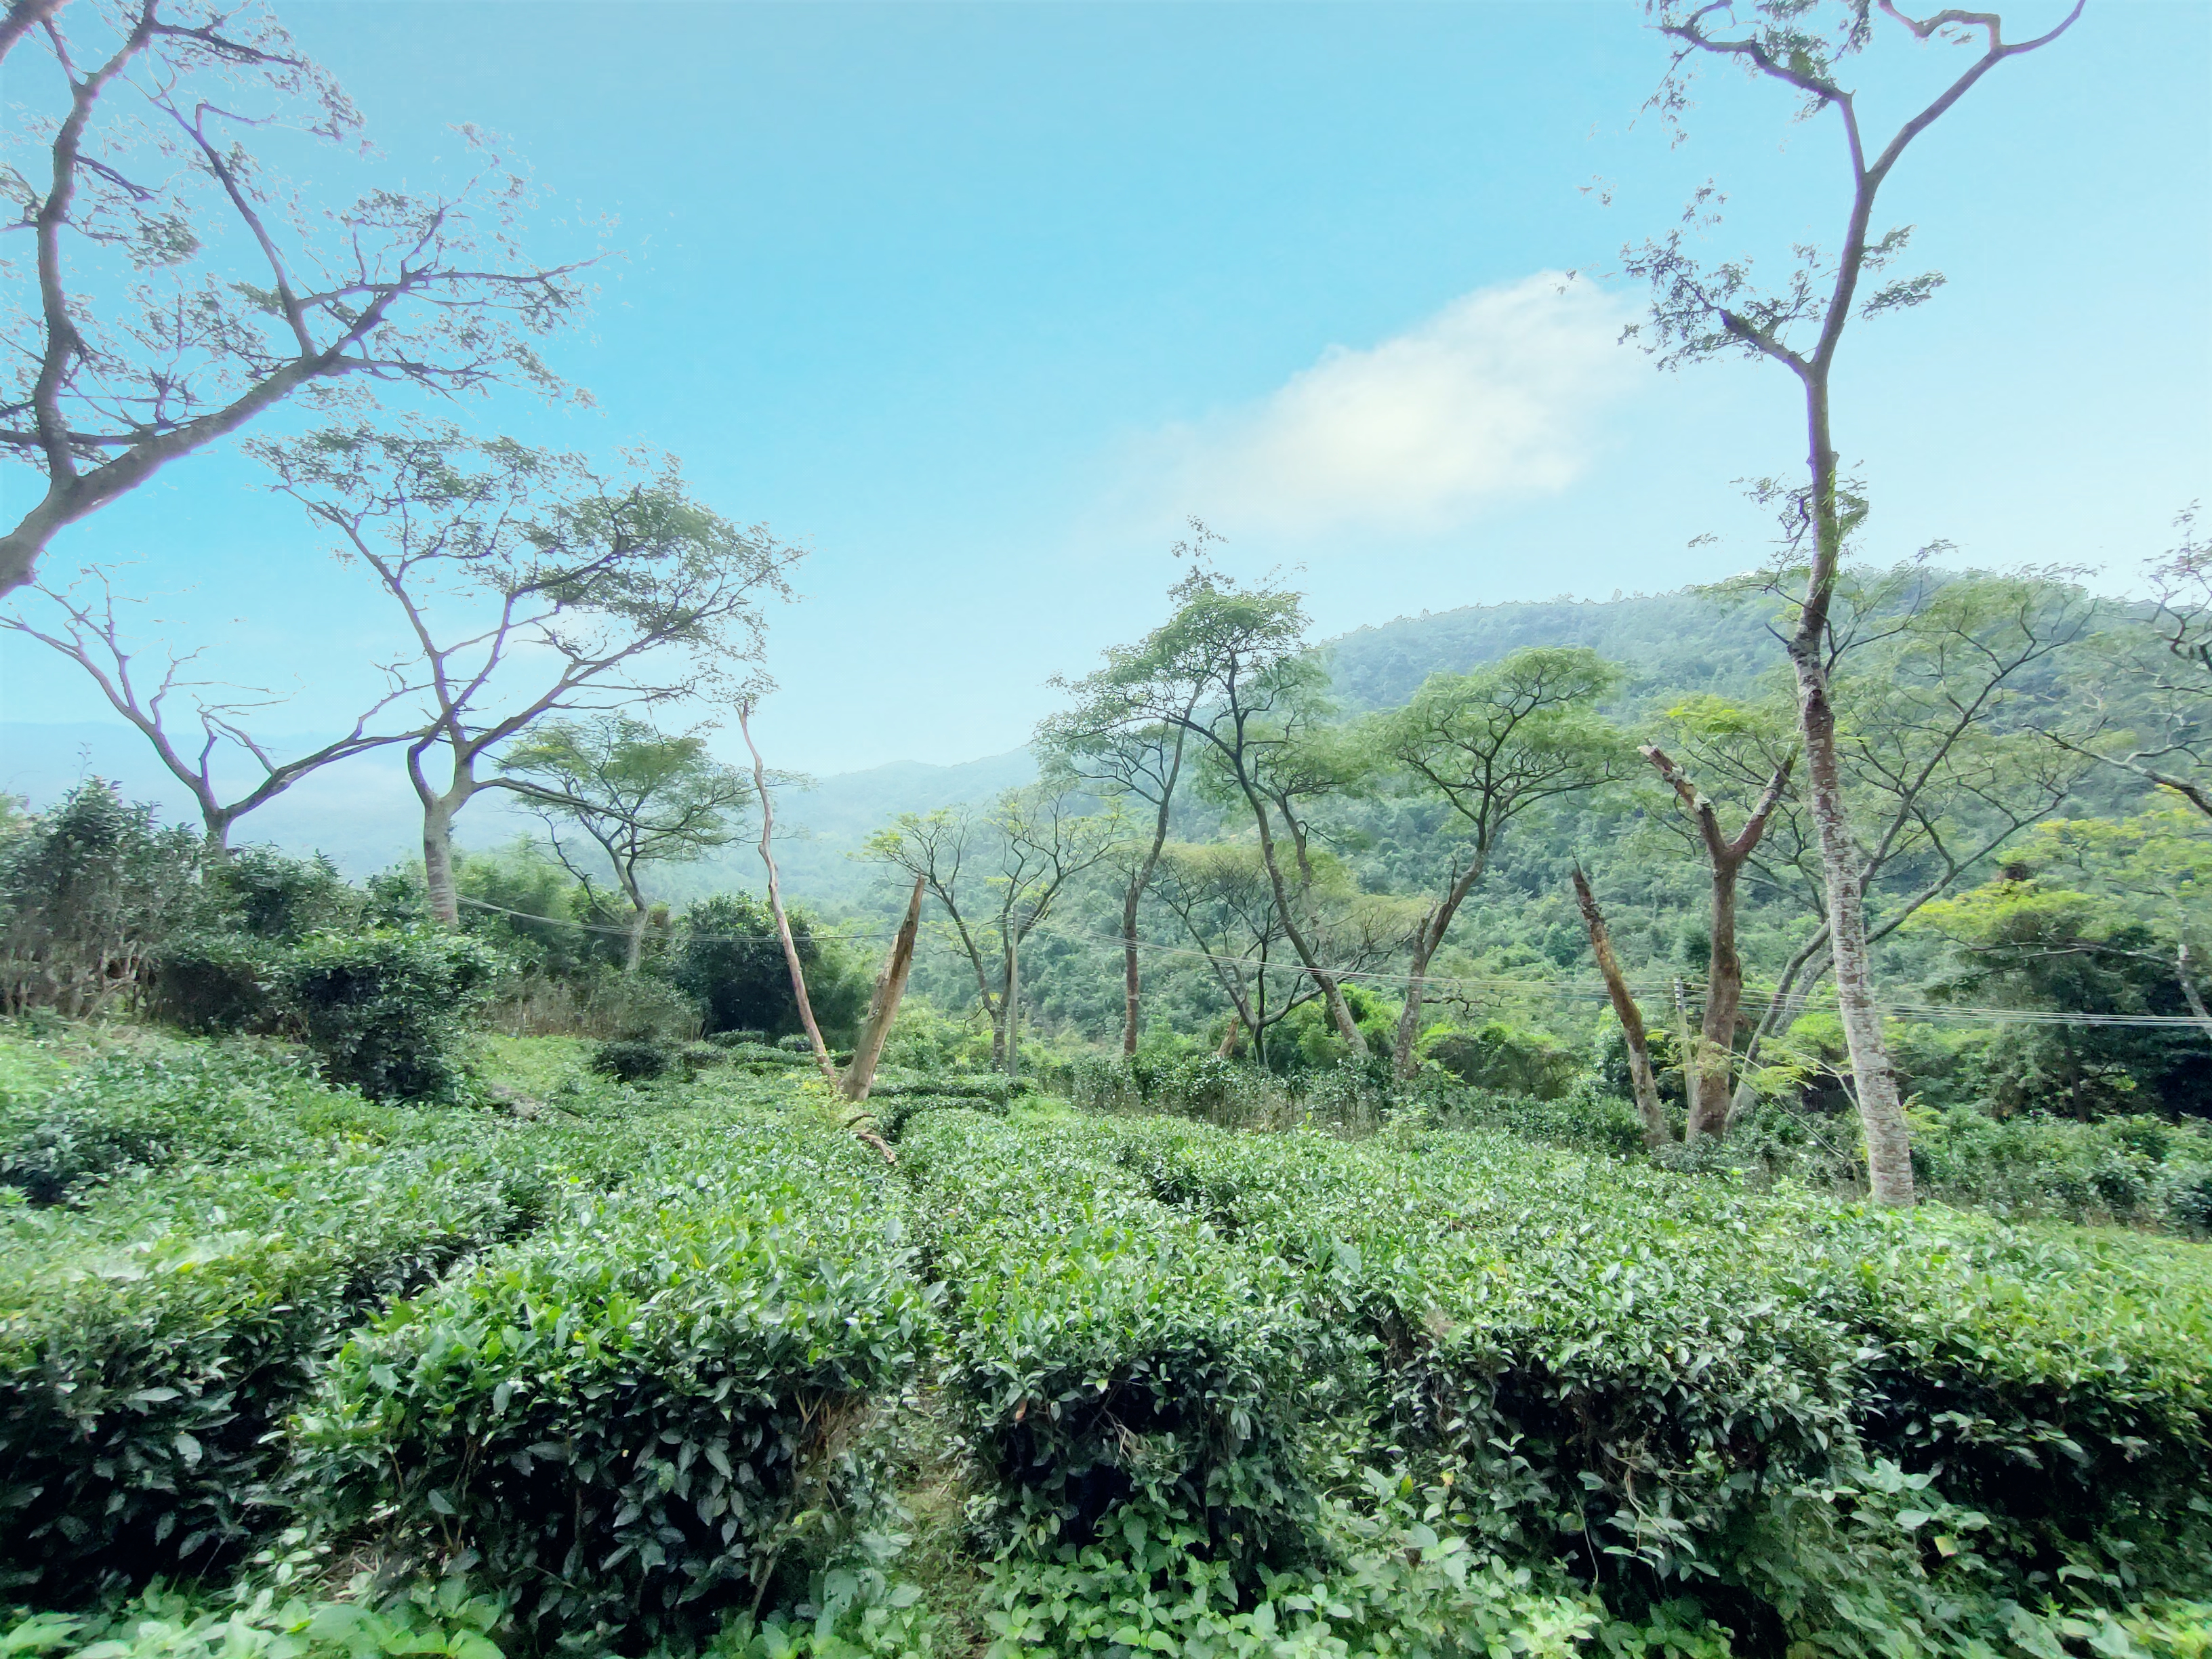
(1490, 399)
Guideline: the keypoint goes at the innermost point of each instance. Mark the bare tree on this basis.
(178, 287)
(1700, 312)
(1641, 1083)
(529, 586)
(639, 798)
(1227, 902)
(1707, 1069)
(89, 633)
(999, 873)
(1492, 744)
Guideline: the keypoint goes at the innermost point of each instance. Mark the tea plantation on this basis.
(681, 1367)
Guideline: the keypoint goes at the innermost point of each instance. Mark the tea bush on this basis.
(145, 1366)
(218, 982)
(1696, 1384)
(2141, 1170)
(387, 1010)
(634, 1061)
(626, 1418)
(1112, 1363)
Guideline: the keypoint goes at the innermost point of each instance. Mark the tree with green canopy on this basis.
(1492, 744)
(638, 796)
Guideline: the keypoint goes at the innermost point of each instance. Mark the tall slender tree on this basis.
(1700, 311)
(1490, 745)
(1141, 761)
(1231, 670)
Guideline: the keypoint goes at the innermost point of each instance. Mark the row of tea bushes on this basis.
(1829, 1418)
(194, 1227)
(150, 1346)
(630, 1420)
(1113, 1364)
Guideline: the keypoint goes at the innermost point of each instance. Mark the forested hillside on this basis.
(1676, 1127)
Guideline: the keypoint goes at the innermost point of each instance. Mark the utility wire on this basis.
(1497, 985)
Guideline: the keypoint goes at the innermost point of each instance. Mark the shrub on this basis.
(268, 894)
(218, 982)
(625, 1420)
(2139, 1168)
(138, 1109)
(1843, 1420)
(730, 961)
(387, 1011)
(87, 890)
(632, 1062)
(139, 1402)
(1507, 1060)
(1114, 1367)
(1586, 1118)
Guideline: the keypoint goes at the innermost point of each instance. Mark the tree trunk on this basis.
(1339, 1012)
(1427, 941)
(1656, 1132)
(1228, 1048)
(1129, 970)
(1135, 895)
(1013, 1004)
(2184, 973)
(1881, 1114)
(439, 808)
(829, 1066)
(1709, 1097)
(883, 1007)
(633, 941)
(439, 888)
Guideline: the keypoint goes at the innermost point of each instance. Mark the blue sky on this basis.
(981, 301)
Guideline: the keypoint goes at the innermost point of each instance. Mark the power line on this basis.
(1558, 990)
(623, 932)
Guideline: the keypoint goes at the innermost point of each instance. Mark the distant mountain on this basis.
(361, 813)
(364, 815)
(1682, 640)
(831, 820)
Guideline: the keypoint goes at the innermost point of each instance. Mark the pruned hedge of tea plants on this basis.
(648, 1367)
(1111, 1361)
(194, 1229)
(629, 1417)
(1811, 1411)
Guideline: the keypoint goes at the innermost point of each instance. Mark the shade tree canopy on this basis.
(170, 283)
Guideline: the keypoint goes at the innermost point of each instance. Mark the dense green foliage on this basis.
(628, 1416)
(637, 1362)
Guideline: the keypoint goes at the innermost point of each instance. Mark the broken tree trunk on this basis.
(775, 902)
(883, 1008)
(1656, 1133)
